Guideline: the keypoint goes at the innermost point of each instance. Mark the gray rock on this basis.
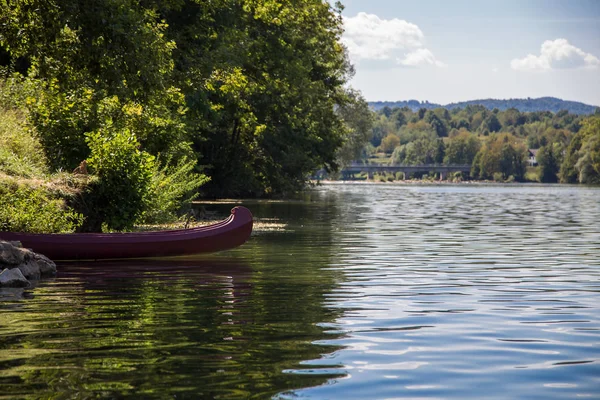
(11, 255)
(30, 270)
(13, 278)
(46, 265)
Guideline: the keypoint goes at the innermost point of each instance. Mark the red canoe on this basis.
(227, 234)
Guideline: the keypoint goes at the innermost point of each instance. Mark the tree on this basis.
(587, 155)
(548, 158)
(262, 81)
(76, 55)
(436, 123)
(421, 151)
(501, 154)
(462, 148)
(358, 121)
(568, 172)
(389, 143)
(400, 118)
(493, 124)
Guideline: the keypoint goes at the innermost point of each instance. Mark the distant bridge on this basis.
(370, 169)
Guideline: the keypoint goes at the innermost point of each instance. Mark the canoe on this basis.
(227, 234)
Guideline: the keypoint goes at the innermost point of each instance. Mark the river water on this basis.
(353, 291)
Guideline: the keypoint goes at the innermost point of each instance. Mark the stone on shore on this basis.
(30, 265)
(13, 278)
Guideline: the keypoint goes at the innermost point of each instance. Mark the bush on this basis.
(172, 188)
(120, 195)
(498, 177)
(34, 209)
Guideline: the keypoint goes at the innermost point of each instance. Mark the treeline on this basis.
(497, 144)
(221, 97)
(551, 104)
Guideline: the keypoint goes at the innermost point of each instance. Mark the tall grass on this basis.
(31, 200)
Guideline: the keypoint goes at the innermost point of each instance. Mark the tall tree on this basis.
(358, 123)
(582, 158)
(548, 158)
(462, 148)
(262, 81)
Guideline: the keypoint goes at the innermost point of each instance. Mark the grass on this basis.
(31, 199)
(20, 153)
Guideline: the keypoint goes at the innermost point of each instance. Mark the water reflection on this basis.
(353, 291)
(224, 326)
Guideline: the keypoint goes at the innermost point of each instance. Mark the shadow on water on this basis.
(223, 326)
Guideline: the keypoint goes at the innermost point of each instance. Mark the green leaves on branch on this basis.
(117, 200)
(582, 158)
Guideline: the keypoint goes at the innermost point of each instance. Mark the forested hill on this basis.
(552, 104)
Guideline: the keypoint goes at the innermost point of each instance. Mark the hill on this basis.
(551, 104)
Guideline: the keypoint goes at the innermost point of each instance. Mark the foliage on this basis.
(461, 149)
(76, 54)
(582, 159)
(501, 154)
(549, 158)
(20, 153)
(419, 152)
(172, 188)
(117, 200)
(262, 114)
(28, 208)
(358, 121)
(389, 143)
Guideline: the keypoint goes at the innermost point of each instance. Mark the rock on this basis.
(11, 255)
(22, 264)
(13, 278)
(30, 270)
(46, 265)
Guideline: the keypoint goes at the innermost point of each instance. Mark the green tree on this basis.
(548, 158)
(582, 159)
(462, 149)
(568, 172)
(358, 121)
(262, 114)
(501, 154)
(389, 143)
(493, 124)
(437, 124)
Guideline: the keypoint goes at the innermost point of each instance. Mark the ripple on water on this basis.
(449, 292)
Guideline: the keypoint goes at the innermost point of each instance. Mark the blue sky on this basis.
(447, 51)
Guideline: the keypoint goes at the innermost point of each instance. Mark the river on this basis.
(352, 291)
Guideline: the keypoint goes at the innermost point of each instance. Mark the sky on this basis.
(445, 51)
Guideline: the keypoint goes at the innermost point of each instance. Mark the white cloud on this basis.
(369, 37)
(420, 57)
(556, 54)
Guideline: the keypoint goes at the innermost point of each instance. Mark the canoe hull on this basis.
(224, 235)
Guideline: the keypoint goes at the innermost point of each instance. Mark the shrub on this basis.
(120, 195)
(34, 209)
(172, 188)
(498, 177)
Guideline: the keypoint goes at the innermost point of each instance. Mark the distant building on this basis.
(532, 157)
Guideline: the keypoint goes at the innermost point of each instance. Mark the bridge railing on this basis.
(396, 165)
